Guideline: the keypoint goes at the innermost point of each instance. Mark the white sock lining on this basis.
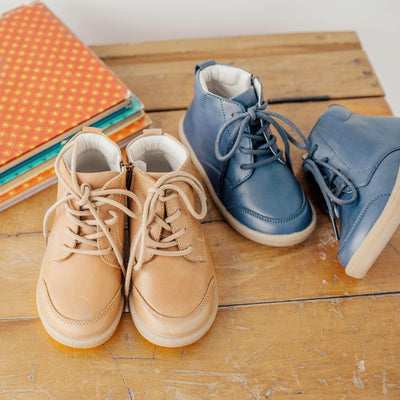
(90, 144)
(225, 80)
(158, 146)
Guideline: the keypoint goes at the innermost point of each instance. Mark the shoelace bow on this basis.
(266, 118)
(330, 190)
(89, 200)
(163, 190)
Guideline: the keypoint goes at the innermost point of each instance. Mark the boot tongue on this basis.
(96, 179)
(186, 167)
(247, 98)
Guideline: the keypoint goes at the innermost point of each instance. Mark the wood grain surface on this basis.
(330, 65)
(291, 324)
(324, 349)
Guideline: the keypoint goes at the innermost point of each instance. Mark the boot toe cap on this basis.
(92, 330)
(174, 331)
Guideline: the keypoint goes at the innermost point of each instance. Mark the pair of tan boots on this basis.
(169, 281)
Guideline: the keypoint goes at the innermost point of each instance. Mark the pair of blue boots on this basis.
(352, 166)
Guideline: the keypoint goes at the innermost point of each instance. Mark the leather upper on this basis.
(365, 149)
(173, 295)
(268, 198)
(79, 295)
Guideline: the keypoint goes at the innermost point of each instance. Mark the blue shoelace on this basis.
(330, 188)
(266, 118)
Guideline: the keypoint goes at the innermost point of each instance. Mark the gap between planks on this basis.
(285, 100)
(262, 303)
(243, 45)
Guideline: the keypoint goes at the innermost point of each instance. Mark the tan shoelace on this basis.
(89, 200)
(142, 240)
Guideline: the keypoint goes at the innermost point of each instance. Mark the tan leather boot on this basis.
(79, 296)
(173, 295)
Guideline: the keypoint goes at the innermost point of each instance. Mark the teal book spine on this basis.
(52, 151)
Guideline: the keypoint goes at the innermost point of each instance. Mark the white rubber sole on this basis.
(263, 238)
(377, 238)
(166, 341)
(81, 343)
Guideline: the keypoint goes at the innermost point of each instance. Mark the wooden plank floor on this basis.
(291, 324)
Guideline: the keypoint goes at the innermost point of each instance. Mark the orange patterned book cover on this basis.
(47, 178)
(50, 83)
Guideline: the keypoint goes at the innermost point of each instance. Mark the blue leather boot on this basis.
(229, 137)
(352, 166)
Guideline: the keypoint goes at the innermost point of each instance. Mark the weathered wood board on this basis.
(325, 349)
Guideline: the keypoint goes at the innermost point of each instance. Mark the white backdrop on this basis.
(377, 23)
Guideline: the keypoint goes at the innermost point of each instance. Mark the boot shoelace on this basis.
(263, 134)
(331, 191)
(89, 200)
(163, 190)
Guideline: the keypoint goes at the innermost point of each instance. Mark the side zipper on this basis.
(129, 173)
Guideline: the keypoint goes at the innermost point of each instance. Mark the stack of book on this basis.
(51, 85)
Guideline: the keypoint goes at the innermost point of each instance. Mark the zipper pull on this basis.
(129, 173)
(335, 229)
(334, 216)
